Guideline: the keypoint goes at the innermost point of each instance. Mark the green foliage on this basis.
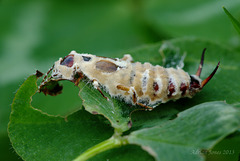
(235, 22)
(34, 34)
(61, 105)
(37, 136)
(194, 130)
(114, 110)
(203, 19)
(164, 132)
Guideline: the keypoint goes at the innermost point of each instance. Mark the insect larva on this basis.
(137, 84)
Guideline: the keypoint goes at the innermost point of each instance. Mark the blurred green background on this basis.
(34, 34)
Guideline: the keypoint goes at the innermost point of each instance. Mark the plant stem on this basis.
(113, 142)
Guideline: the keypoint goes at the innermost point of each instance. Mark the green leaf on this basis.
(74, 26)
(6, 150)
(63, 104)
(235, 22)
(36, 136)
(82, 128)
(213, 91)
(194, 130)
(229, 147)
(89, 27)
(116, 111)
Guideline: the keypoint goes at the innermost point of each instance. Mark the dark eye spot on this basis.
(106, 66)
(67, 61)
(86, 58)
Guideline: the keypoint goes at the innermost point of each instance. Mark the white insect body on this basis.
(137, 84)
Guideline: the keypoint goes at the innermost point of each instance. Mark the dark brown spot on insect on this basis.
(183, 88)
(68, 61)
(86, 58)
(106, 66)
(171, 89)
(155, 86)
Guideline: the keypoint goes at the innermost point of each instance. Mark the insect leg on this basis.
(134, 98)
(45, 79)
(145, 106)
(96, 86)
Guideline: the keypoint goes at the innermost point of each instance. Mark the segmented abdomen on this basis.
(155, 84)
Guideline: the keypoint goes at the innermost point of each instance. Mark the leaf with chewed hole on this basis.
(30, 131)
(37, 136)
(115, 110)
(191, 134)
